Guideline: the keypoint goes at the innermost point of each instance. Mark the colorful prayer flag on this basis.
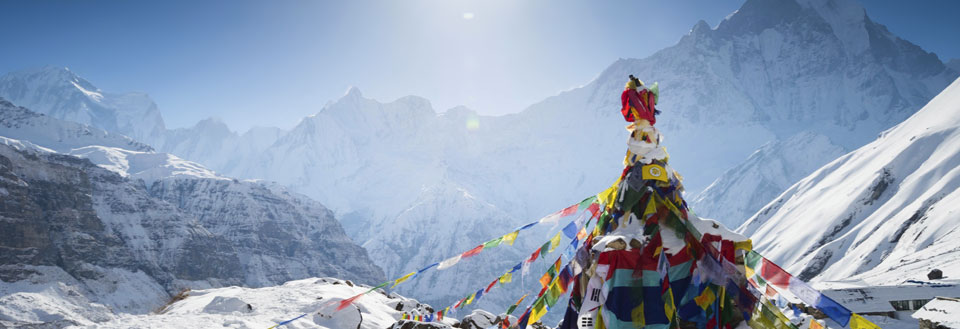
(833, 309)
(472, 252)
(492, 243)
(449, 262)
(570, 230)
(510, 237)
(506, 278)
(654, 171)
(814, 324)
(569, 210)
(514, 306)
(401, 279)
(538, 310)
(490, 286)
(555, 242)
(774, 274)
(344, 303)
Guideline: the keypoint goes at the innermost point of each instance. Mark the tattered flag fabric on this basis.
(449, 262)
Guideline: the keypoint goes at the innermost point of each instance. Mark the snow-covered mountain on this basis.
(60, 93)
(20, 123)
(884, 213)
(83, 230)
(742, 190)
(775, 70)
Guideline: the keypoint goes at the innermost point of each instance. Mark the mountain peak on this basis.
(353, 92)
(700, 27)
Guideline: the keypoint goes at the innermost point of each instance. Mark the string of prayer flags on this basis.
(775, 275)
(554, 217)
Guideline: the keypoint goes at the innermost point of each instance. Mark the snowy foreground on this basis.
(237, 307)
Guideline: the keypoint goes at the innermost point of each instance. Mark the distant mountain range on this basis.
(776, 90)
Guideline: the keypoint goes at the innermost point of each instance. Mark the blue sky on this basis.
(274, 62)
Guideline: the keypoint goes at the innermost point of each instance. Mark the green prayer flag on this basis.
(586, 202)
(492, 243)
(752, 259)
(553, 294)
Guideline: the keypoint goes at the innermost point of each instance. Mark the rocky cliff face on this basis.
(110, 238)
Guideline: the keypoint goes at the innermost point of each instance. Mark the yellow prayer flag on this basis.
(651, 209)
(858, 322)
(470, 300)
(402, 278)
(606, 197)
(510, 237)
(744, 245)
(815, 325)
(750, 273)
(506, 278)
(555, 241)
(538, 310)
(653, 171)
(706, 298)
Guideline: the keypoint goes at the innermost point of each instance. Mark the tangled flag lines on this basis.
(670, 272)
(588, 204)
(576, 230)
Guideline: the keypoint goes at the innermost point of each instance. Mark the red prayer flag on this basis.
(770, 292)
(348, 301)
(491, 285)
(774, 274)
(569, 210)
(534, 256)
(472, 252)
(593, 209)
(726, 249)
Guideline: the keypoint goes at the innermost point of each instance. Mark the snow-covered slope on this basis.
(882, 214)
(23, 124)
(60, 93)
(739, 192)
